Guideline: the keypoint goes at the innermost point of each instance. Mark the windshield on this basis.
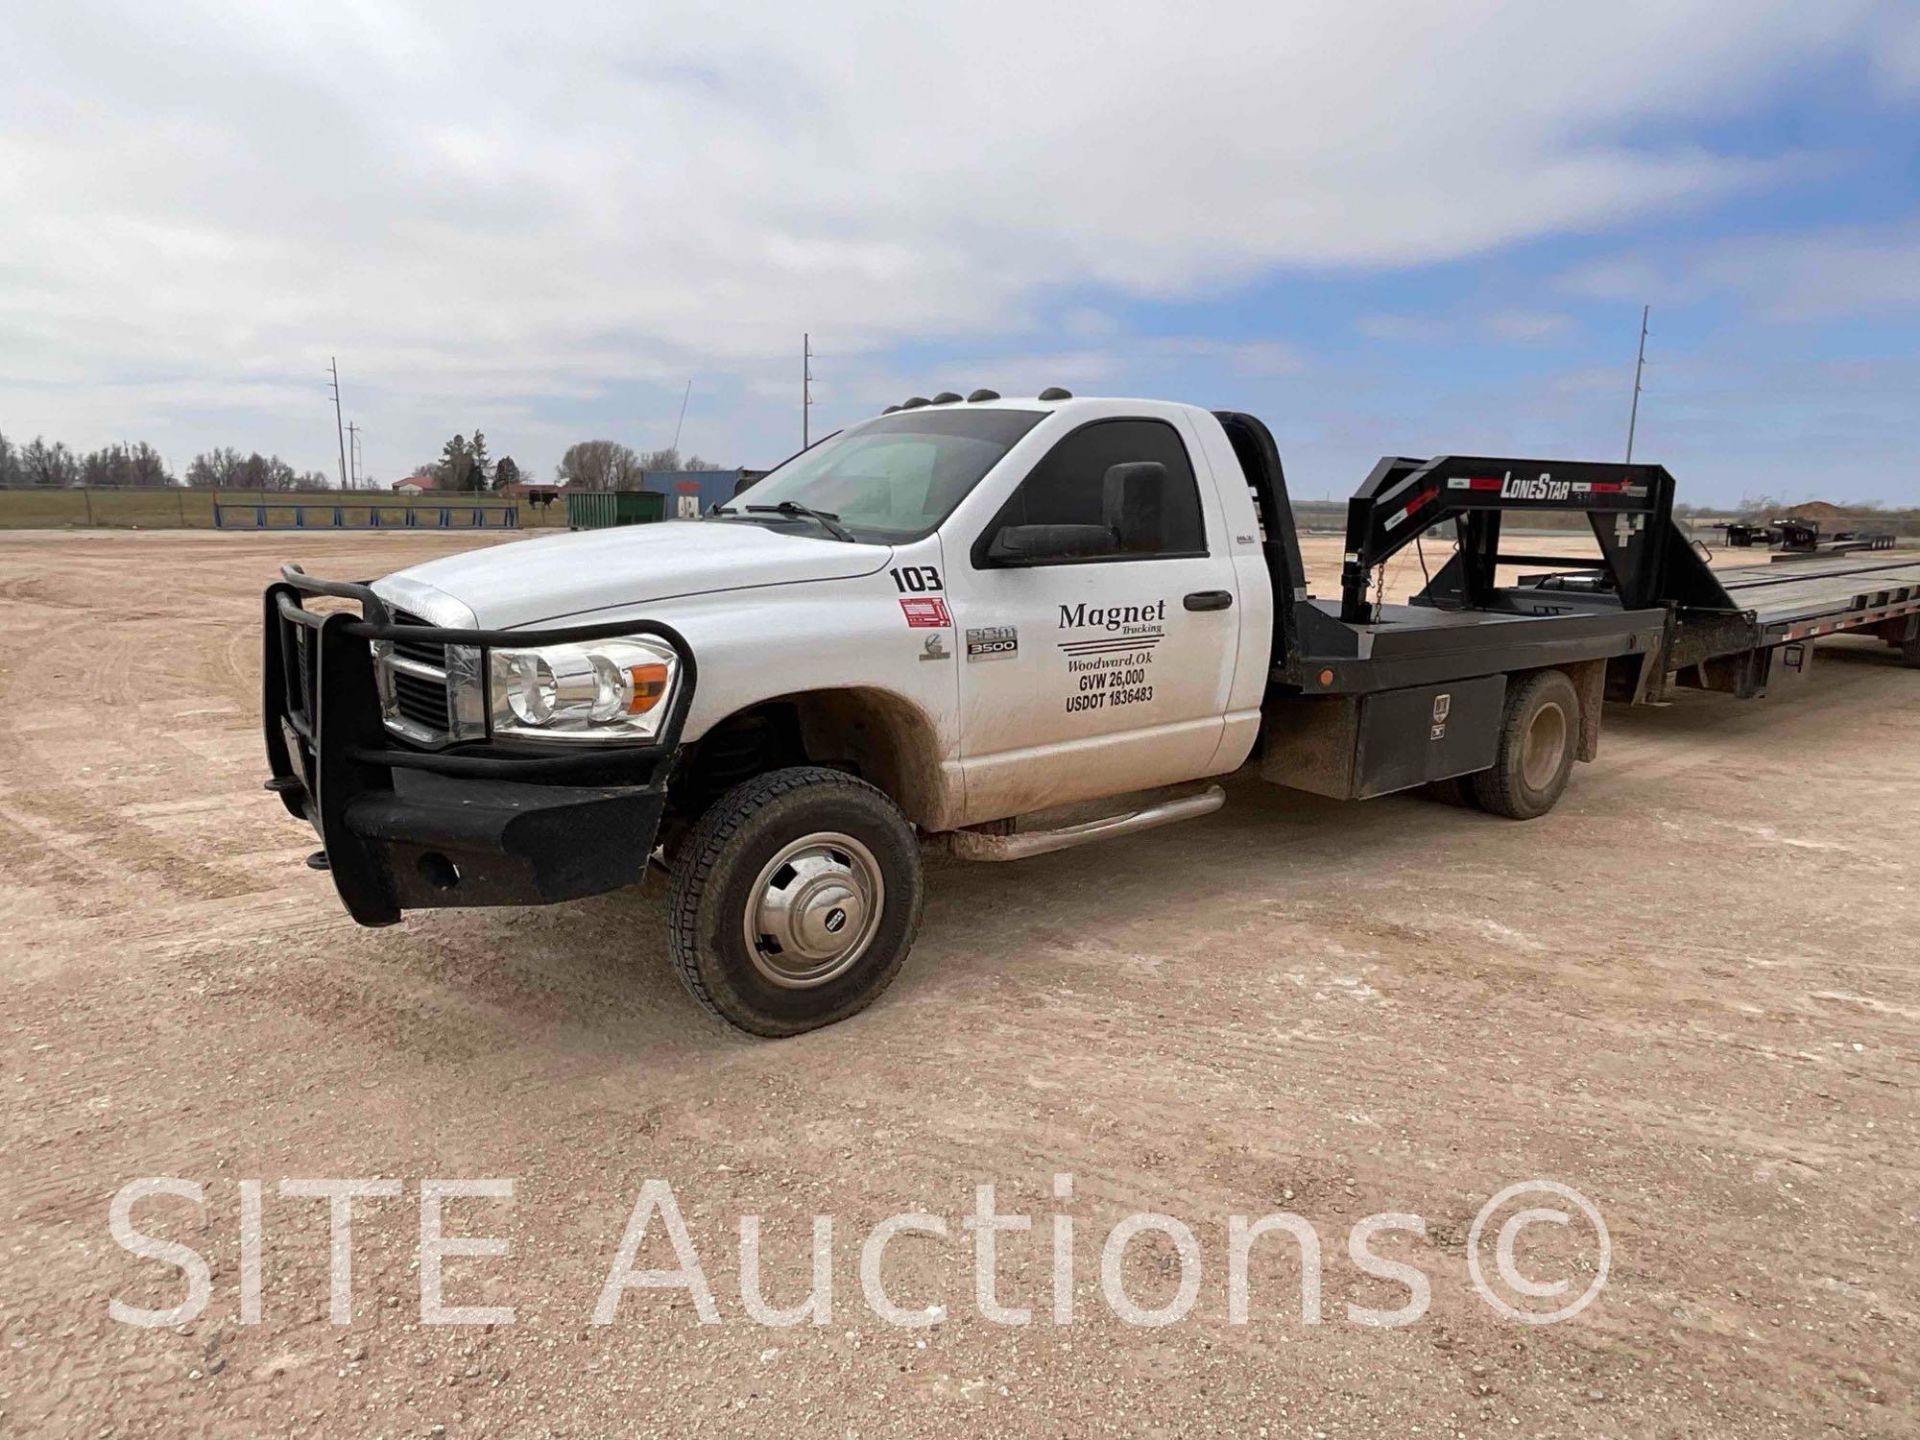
(895, 478)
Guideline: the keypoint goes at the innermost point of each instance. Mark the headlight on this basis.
(599, 690)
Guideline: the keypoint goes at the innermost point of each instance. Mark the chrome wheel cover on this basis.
(813, 910)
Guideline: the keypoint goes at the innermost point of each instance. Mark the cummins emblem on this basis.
(1442, 707)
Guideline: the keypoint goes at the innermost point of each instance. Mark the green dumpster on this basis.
(598, 509)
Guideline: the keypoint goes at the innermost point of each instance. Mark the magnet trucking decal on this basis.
(926, 613)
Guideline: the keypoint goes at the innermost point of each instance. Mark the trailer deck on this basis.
(1840, 594)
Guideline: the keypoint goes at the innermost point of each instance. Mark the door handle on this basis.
(1209, 600)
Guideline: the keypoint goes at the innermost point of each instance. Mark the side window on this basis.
(1070, 487)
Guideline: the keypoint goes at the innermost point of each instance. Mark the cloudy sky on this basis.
(1385, 225)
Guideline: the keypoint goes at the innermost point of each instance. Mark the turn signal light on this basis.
(649, 684)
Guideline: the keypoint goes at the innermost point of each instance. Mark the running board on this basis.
(976, 845)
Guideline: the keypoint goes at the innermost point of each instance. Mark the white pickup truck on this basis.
(1002, 626)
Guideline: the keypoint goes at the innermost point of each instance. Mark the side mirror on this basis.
(1035, 544)
(1132, 502)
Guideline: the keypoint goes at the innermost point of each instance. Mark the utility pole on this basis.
(806, 390)
(1639, 368)
(353, 452)
(333, 366)
(683, 417)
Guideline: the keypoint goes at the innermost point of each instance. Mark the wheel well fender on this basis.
(877, 734)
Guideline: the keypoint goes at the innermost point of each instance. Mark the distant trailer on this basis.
(401, 514)
(602, 509)
(1842, 544)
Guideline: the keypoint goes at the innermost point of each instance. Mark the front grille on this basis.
(416, 698)
(426, 654)
(420, 700)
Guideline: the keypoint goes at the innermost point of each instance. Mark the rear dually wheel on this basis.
(1539, 734)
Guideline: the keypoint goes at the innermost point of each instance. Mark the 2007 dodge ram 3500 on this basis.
(1001, 625)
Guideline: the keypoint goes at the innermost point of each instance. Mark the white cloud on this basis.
(1856, 271)
(484, 206)
(1528, 325)
(1516, 326)
(1898, 53)
(1403, 329)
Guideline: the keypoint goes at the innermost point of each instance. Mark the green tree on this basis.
(506, 473)
(463, 465)
(456, 459)
(482, 470)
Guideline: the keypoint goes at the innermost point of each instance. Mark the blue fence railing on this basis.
(362, 515)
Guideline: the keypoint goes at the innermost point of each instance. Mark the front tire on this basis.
(1539, 733)
(794, 900)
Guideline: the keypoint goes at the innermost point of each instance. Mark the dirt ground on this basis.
(1691, 994)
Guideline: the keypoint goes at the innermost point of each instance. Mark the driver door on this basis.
(1094, 674)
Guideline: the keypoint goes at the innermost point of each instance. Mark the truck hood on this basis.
(562, 576)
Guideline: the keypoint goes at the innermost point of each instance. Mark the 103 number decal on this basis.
(916, 579)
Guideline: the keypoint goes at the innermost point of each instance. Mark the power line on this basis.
(806, 390)
(333, 367)
(1639, 368)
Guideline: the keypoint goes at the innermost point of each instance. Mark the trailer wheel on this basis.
(794, 900)
(1538, 736)
(1910, 652)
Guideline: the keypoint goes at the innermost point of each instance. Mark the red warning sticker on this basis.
(926, 613)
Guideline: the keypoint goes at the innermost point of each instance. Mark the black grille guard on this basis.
(327, 746)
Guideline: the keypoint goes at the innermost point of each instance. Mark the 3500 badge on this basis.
(992, 642)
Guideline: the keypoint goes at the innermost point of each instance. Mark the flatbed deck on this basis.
(1427, 645)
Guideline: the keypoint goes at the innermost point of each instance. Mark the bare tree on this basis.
(46, 464)
(600, 465)
(10, 471)
(146, 467)
(125, 465)
(215, 469)
(670, 458)
(224, 468)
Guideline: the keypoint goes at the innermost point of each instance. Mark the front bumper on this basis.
(470, 824)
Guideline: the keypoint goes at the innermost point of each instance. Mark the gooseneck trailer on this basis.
(999, 626)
